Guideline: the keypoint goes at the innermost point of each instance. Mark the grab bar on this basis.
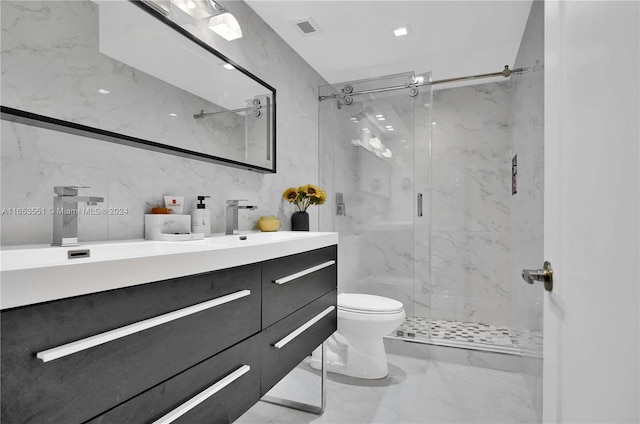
(108, 336)
(303, 272)
(303, 327)
(202, 396)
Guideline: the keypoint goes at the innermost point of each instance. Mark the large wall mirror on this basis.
(121, 71)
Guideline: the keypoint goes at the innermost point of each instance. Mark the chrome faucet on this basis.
(232, 215)
(65, 214)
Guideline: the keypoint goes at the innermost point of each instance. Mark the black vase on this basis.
(300, 221)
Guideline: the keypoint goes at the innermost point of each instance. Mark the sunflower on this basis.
(305, 196)
(322, 197)
(312, 190)
(291, 195)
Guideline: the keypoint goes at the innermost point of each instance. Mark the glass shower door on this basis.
(369, 147)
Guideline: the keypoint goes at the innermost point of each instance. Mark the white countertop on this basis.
(40, 273)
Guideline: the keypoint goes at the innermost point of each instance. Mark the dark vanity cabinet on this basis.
(197, 349)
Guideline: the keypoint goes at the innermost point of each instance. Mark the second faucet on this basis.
(232, 215)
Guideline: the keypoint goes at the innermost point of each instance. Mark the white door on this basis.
(591, 319)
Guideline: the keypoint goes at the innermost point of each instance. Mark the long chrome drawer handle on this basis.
(303, 272)
(203, 395)
(304, 327)
(108, 336)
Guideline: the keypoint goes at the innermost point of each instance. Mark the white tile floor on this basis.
(416, 391)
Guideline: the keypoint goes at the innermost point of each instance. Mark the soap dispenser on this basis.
(201, 218)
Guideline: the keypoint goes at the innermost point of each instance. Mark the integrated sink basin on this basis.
(41, 273)
(252, 239)
(42, 256)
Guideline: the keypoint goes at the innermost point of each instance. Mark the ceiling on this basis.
(356, 41)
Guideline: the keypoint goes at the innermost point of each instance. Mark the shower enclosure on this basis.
(423, 182)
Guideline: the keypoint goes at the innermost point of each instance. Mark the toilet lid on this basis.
(368, 303)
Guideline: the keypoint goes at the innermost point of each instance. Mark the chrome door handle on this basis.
(545, 275)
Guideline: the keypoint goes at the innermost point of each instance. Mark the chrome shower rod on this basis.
(504, 73)
(202, 114)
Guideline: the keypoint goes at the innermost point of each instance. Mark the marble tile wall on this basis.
(471, 204)
(34, 159)
(527, 220)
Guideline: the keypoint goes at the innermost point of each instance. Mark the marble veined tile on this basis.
(464, 394)
(416, 391)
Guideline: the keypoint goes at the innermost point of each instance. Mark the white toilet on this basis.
(357, 348)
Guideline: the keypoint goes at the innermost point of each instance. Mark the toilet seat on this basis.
(368, 304)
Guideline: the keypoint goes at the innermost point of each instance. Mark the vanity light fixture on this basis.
(224, 24)
(197, 9)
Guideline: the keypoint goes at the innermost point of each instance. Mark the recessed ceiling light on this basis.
(381, 119)
(379, 116)
(390, 129)
(172, 114)
(103, 91)
(389, 126)
(400, 31)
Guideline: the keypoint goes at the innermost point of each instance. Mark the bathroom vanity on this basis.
(230, 320)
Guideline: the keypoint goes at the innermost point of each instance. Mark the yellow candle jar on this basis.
(269, 223)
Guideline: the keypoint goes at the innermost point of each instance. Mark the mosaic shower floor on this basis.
(467, 334)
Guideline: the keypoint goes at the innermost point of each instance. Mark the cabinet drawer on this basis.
(283, 348)
(291, 282)
(81, 385)
(223, 383)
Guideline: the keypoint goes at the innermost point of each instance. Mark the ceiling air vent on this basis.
(308, 26)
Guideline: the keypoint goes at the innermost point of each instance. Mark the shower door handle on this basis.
(545, 275)
(419, 204)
